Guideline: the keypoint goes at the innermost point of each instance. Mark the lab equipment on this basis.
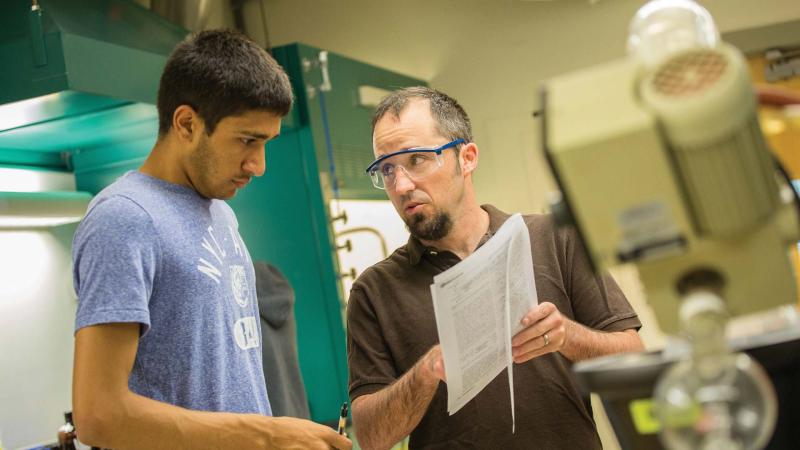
(662, 163)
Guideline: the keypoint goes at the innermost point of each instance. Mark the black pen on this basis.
(342, 418)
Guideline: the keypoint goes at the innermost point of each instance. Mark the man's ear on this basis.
(468, 157)
(187, 123)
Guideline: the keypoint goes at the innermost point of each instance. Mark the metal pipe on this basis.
(367, 230)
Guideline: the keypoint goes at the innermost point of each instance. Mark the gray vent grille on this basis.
(730, 183)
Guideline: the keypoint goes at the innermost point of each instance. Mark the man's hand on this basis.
(433, 362)
(545, 332)
(384, 417)
(776, 95)
(296, 434)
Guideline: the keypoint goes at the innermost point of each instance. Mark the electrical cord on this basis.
(785, 174)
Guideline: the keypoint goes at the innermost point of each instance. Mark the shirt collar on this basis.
(496, 219)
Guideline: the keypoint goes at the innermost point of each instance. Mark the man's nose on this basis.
(256, 163)
(402, 181)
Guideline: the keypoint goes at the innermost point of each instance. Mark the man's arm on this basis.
(571, 339)
(383, 418)
(107, 414)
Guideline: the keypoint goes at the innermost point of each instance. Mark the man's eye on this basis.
(418, 159)
(387, 169)
(247, 141)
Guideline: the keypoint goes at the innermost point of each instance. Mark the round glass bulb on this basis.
(662, 28)
(731, 408)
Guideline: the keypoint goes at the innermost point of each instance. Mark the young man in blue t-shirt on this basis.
(167, 332)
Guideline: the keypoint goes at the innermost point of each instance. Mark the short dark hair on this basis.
(452, 122)
(221, 73)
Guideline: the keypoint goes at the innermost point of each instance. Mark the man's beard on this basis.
(430, 228)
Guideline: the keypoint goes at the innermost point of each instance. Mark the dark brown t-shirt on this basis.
(391, 324)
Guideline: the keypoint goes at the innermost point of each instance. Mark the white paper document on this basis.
(479, 304)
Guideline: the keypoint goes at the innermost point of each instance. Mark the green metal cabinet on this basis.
(78, 74)
(284, 215)
(349, 123)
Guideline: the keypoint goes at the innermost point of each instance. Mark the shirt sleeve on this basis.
(369, 361)
(597, 301)
(115, 252)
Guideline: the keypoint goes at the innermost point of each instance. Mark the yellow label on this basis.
(646, 422)
(644, 417)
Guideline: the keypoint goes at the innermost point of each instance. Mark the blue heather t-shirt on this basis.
(159, 254)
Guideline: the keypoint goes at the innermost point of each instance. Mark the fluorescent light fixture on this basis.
(30, 180)
(23, 210)
(25, 112)
(16, 223)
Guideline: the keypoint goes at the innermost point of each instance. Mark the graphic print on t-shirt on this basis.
(217, 251)
(213, 269)
(239, 286)
(245, 329)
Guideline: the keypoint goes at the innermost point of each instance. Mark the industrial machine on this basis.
(662, 163)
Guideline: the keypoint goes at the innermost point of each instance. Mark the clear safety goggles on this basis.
(417, 163)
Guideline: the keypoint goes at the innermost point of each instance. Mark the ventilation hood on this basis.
(78, 74)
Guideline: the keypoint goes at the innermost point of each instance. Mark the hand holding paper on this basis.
(545, 332)
(479, 304)
(434, 363)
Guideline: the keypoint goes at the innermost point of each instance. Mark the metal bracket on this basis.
(37, 35)
(352, 274)
(342, 217)
(321, 62)
(348, 245)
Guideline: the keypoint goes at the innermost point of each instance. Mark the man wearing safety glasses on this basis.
(425, 158)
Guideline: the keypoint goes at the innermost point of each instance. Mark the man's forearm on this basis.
(137, 422)
(108, 414)
(383, 418)
(584, 343)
